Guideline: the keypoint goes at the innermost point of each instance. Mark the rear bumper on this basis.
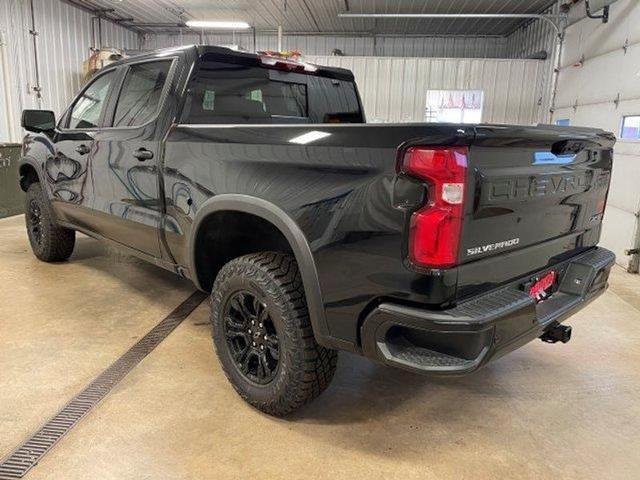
(462, 339)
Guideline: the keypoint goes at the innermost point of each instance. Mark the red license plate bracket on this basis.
(542, 287)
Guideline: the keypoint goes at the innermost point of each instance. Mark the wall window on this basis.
(140, 95)
(455, 106)
(563, 122)
(630, 127)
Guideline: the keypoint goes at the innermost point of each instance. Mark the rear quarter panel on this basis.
(338, 190)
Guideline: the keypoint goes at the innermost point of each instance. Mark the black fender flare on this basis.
(294, 235)
(31, 162)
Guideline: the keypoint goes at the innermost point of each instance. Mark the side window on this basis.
(88, 108)
(333, 101)
(139, 98)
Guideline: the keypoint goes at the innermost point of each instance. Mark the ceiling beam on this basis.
(551, 19)
(101, 13)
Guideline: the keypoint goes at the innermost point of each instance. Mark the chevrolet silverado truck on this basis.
(434, 248)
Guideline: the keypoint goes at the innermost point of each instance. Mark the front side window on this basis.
(141, 93)
(88, 108)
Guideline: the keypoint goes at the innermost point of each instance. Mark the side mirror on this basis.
(38, 120)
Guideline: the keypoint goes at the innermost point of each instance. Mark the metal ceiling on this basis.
(321, 16)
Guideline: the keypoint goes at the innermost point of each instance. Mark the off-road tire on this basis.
(304, 368)
(49, 241)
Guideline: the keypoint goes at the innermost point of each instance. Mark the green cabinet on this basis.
(11, 196)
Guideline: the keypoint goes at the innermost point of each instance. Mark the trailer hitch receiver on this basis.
(557, 333)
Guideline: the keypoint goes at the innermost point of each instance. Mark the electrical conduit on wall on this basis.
(11, 135)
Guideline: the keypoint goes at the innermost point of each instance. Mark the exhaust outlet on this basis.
(557, 333)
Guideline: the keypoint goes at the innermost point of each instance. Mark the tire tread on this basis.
(58, 242)
(314, 365)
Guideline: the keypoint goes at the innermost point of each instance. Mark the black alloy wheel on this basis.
(251, 337)
(34, 221)
(49, 241)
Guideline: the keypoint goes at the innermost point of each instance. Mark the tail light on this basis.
(435, 229)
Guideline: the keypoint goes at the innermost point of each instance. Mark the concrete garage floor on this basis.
(545, 411)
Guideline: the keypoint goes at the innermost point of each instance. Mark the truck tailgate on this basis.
(536, 196)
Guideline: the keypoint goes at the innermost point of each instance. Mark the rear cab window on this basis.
(223, 92)
(141, 93)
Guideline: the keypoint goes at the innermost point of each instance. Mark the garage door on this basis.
(599, 86)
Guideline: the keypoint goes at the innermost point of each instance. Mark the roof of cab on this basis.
(203, 51)
(322, 70)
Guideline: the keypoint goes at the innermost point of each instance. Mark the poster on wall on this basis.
(454, 106)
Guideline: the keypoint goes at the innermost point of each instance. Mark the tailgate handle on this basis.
(568, 146)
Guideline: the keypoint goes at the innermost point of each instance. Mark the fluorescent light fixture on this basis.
(218, 24)
(309, 137)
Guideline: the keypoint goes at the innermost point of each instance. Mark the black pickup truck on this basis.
(430, 247)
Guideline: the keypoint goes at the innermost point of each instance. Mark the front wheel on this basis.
(49, 242)
(262, 334)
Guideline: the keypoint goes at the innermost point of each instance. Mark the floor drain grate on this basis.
(27, 455)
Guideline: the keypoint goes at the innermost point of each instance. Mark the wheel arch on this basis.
(291, 232)
(28, 174)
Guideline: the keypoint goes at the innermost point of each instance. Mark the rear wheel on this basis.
(263, 336)
(49, 242)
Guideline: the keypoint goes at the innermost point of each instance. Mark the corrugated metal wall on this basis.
(513, 90)
(63, 39)
(529, 39)
(16, 69)
(380, 45)
(532, 37)
(394, 89)
(597, 86)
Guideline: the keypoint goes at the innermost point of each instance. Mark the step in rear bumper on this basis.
(462, 339)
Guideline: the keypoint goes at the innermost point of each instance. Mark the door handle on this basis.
(143, 154)
(82, 149)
